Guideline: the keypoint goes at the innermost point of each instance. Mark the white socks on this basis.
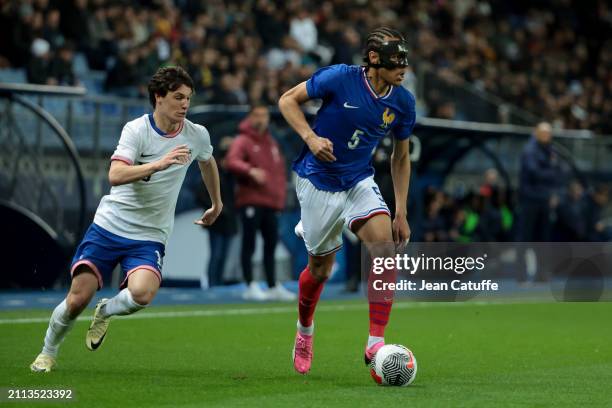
(372, 340)
(308, 331)
(60, 322)
(59, 325)
(122, 304)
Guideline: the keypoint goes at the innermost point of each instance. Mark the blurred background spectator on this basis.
(258, 164)
(596, 229)
(571, 222)
(38, 71)
(61, 70)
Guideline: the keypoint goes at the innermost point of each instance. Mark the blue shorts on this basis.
(102, 250)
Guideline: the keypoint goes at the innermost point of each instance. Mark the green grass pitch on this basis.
(477, 355)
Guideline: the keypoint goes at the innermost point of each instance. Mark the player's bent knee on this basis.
(143, 285)
(316, 263)
(320, 274)
(321, 266)
(82, 290)
(142, 295)
(76, 302)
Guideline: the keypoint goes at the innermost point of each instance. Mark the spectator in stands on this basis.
(499, 216)
(74, 22)
(259, 166)
(38, 67)
(571, 221)
(125, 77)
(474, 227)
(21, 31)
(288, 55)
(304, 31)
(490, 183)
(51, 30)
(597, 230)
(100, 45)
(457, 221)
(433, 225)
(347, 45)
(445, 110)
(61, 70)
(6, 49)
(229, 91)
(269, 22)
(540, 181)
(466, 42)
(448, 212)
(148, 58)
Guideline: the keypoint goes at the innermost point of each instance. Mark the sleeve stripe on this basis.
(123, 159)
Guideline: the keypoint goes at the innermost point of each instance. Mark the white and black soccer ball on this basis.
(393, 364)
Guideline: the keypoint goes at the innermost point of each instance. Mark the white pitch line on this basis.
(248, 311)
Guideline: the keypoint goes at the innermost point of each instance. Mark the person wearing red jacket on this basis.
(261, 181)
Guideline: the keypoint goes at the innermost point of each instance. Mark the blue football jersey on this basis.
(355, 119)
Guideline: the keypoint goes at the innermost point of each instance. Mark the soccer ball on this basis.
(393, 364)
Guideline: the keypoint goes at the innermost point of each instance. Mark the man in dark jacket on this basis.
(540, 180)
(259, 166)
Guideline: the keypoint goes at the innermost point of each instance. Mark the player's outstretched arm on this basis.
(210, 175)
(289, 105)
(400, 172)
(123, 173)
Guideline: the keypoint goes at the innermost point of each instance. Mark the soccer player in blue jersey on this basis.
(335, 185)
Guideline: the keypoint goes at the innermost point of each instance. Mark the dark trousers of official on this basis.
(535, 225)
(264, 220)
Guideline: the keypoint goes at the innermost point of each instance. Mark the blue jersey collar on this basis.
(161, 132)
(370, 88)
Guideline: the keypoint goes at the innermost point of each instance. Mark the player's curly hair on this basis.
(377, 37)
(168, 79)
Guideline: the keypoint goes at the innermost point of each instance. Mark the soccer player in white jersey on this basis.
(335, 184)
(133, 222)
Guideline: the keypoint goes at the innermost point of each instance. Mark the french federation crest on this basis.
(387, 117)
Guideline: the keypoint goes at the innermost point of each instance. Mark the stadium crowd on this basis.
(555, 61)
(550, 57)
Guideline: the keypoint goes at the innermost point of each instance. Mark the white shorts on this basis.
(324, 213)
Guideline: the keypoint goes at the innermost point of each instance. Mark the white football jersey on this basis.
(144, 209)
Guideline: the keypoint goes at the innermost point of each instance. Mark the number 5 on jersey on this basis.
(355, 139)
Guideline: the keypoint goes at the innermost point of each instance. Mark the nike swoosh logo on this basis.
(96, 345)
(146, 155)
(346, 105)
